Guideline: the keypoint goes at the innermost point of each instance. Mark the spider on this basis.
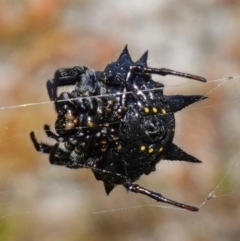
(116, 122)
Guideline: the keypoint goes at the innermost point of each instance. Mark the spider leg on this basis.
(81, 76)
(157, 196)
(57, 156)
(64, 77)
(53, 84)
(67, 158)
(164, 72)
(51, 134)
(40, 146)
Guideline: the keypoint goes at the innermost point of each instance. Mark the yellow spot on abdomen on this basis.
(143, 148)
(155, 110)
(160, 149)
(146, 109)
(151, 150)
(164, 111)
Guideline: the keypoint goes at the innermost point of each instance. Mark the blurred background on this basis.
(43, 202)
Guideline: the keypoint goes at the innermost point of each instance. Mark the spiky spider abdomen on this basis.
(117, 122)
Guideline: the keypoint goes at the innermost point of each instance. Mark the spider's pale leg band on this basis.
(158, 197)
(164, 72)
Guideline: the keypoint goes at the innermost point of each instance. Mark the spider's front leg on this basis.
(84, 81)
(157, 196)
(163, 72)
(63, 77)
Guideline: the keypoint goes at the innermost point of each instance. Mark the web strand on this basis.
(222, 80)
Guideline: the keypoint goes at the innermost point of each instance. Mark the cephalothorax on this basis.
(117, 122)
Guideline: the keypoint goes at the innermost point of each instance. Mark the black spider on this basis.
(117, 122)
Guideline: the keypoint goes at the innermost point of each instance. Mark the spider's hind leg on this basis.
(164, 72)
(156, 196)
